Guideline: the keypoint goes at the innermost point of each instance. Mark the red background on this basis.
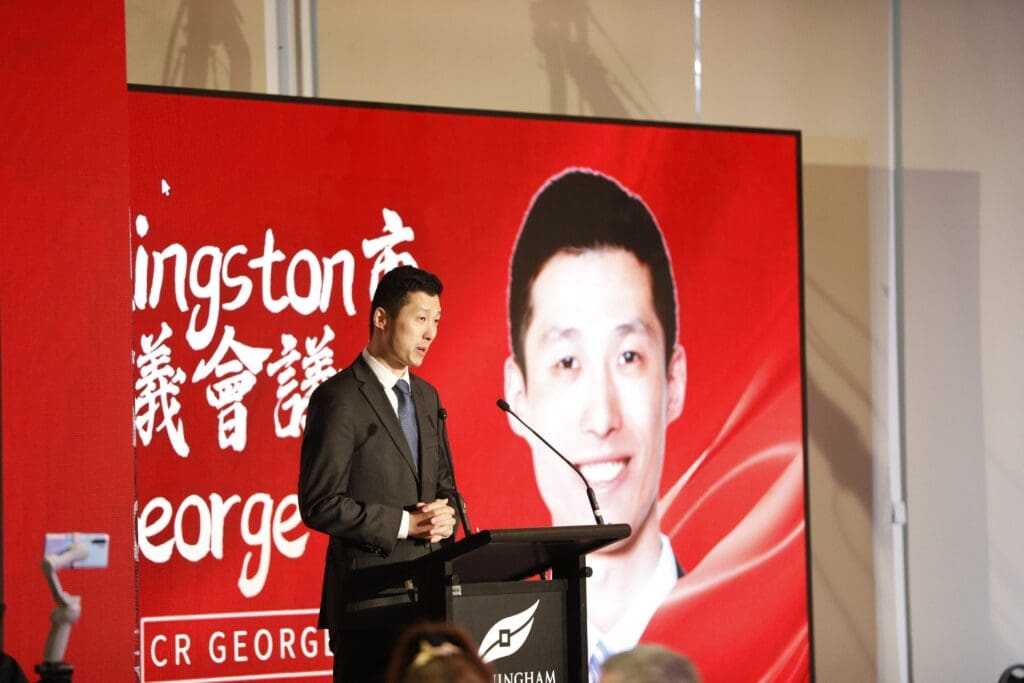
(65, 316)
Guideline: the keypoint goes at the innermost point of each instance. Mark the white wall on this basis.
(196, 43)
(552, 56)
(964, 141)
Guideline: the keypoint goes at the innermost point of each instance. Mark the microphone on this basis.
(503, 404)
(460, 503)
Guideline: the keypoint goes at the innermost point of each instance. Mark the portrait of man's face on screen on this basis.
(593, 366)
(596, 368)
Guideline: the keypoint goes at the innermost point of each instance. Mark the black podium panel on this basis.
(520, 627)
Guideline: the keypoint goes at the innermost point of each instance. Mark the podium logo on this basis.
(508, 635)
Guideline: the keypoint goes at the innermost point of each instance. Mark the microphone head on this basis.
(503, 405)
(442, 413)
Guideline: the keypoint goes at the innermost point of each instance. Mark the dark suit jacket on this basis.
(357, 475)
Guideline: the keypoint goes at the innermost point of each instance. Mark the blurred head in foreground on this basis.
(436, 653)
(649, 664)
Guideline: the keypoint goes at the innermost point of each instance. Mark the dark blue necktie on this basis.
(407, 416)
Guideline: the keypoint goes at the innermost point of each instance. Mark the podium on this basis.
(537, 627)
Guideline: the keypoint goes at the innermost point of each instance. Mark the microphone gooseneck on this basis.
(591, 496)
(460, 503)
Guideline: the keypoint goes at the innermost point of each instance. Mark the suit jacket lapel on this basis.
(378, 400)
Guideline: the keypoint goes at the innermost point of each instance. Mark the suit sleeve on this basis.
(328, 447)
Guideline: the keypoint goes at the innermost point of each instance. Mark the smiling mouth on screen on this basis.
(604, 473)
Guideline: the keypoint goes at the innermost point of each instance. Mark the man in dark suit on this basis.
(372, 473)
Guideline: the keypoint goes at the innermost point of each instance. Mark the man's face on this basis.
(407, 337)
(596, 386)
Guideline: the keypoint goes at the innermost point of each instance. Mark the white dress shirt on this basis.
(626, 632)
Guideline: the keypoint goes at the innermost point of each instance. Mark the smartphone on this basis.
(98, 545)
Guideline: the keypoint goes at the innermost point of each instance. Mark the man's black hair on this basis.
(394, 289)
(577, 211)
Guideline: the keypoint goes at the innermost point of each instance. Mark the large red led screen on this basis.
(661, 354)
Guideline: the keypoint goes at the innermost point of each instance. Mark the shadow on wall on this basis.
(561, 32)
(837, 282)
(845, 451)
(207, 48)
